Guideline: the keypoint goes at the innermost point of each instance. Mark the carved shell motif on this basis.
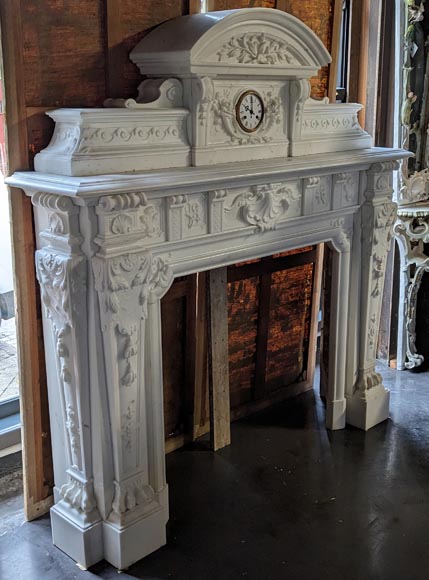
(256, 48)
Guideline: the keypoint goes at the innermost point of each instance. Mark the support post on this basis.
(218, 359)
(368, 399)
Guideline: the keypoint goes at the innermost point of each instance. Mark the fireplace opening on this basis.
(274, 311)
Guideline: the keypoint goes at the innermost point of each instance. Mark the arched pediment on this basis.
(261, 42)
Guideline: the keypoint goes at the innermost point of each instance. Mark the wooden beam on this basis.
(335, 50)
(37, 458)
(194, 6)
(358, 54)
(218, 358)
(255, 269)
(315, 307)
(201, 391)
(283, 5)
(116, 54)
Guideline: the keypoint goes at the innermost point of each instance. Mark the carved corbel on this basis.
(299, 92)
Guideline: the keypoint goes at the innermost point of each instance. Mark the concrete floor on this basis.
(287, 500)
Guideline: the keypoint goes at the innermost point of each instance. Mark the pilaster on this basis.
(62, 273)
(129, 287)
(368, 403)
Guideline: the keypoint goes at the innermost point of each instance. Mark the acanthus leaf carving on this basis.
(78, 495)
(256, 48)
(263, 206)
(117, 277)
(130, 494)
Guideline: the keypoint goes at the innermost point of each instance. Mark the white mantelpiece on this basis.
(110, 244)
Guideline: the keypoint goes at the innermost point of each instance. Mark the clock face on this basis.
(249, 111)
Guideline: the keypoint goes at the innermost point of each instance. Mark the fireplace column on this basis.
(368, 399)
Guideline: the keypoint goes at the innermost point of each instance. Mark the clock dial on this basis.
(249, 111)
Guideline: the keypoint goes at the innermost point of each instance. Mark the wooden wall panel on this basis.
(137, 18)
(289, 326)
(173, 312)
(243, 301)
(318, 15)
(64, 53)
(231, 4)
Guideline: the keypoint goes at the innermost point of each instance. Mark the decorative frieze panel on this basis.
(345, 187)
(186, 216)
(263, 206)
(317, 194)
(111, 140)
(130, 217)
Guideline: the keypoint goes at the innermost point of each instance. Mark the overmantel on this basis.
(175, 182)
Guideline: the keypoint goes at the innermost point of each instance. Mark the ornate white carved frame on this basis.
(412, 232)
(109, 248)
(111, 243)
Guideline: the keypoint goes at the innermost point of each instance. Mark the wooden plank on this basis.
(262, 336)
(218, 358)
(283, 5)
(37, 461)
(116, 55)
(194, 6)
(315, 307)
(326, 310)
(335, 50)
(358, 54)
(174, 443)
(190, 355)
(201, 417)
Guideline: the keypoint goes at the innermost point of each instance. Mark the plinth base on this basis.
(336, 414)
(83, 543)
(368, 408)
(125, 546)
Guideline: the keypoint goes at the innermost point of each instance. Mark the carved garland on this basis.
(256, 48)
(223, 112)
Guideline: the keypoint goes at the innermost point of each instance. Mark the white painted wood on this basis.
(110, 244)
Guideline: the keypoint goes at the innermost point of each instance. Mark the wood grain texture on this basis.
(37, 461)
(335, 49)
(220, 434)
(63, 53)
(318, 15)
(201, 408)
(137, 19)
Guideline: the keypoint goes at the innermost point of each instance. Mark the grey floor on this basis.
(287, 500)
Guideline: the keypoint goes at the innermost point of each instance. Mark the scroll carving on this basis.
(263, 206)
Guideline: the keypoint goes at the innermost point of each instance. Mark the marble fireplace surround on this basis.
(110, 245)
